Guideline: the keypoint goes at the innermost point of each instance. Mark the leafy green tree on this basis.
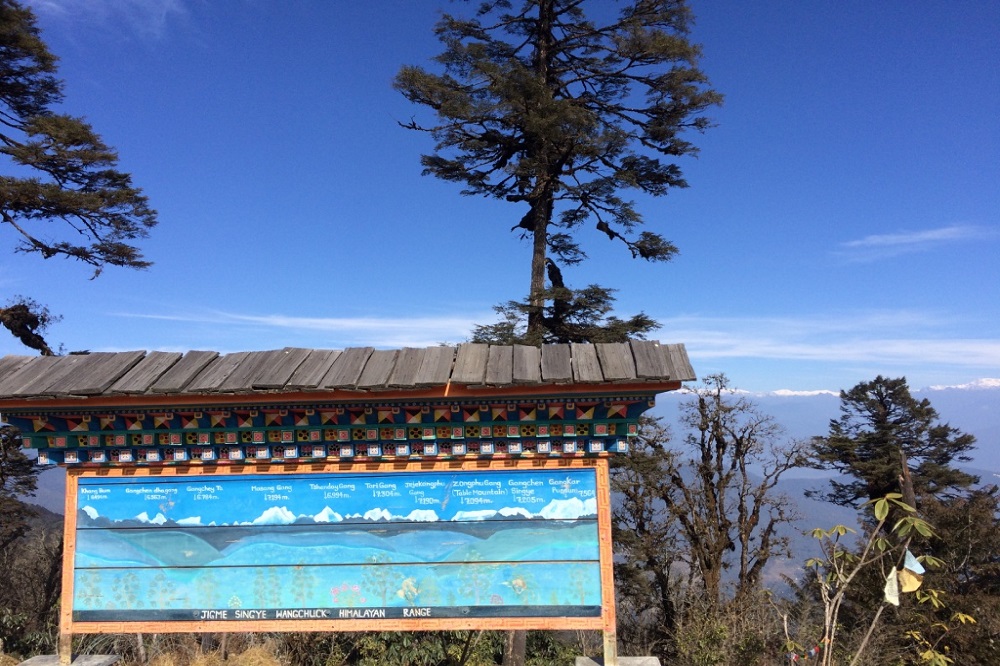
(647, 543)
(843, 567)
(887, 443)
(29, 602)
(18, 480)
(61, 193)
(541, 105)
(967, 543)
(881, 425)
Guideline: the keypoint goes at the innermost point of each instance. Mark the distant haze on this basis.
(972, 408)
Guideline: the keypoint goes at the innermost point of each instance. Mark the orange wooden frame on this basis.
(605, 622)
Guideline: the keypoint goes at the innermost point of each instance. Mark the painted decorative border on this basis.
(332, 432)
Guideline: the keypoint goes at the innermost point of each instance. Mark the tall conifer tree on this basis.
(541, 105)
(880, 423)
(61, 193)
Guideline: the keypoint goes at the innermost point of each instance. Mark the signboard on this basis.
(454, 545)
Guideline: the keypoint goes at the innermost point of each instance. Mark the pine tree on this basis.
(18, 480)
(881, 424)
(573, 315)
(541, 106)
(62, 195)
(887, 441)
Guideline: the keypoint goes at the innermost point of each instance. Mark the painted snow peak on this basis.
(337, 498)
(511, 543)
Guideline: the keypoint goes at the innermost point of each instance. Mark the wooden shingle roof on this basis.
(140, 373)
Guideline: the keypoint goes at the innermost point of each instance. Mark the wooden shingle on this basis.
(500, 366)
(144, 373)
(36, 377)
(96, 374)
(649, 362)
(435, 367)
(586, 367)
(177, 378)
(680, 364)
(557, 363)
(278, 367)
(240, 378)
(616, 361)
(17, 373)
(294, 369)
(346, 369)
(470, 363)
(404, 373)
(313, 368)
(527, 364)
(10, 365)
(214, 374)
(378, 369)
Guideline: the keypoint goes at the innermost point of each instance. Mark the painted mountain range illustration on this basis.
(263, 500)
(570, 509)
(452, 540)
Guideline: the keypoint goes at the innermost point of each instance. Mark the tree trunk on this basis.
(543, 199)
(536, 325)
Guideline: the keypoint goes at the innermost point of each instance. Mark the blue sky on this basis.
(842, 219)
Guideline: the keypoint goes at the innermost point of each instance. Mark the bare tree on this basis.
(720, 490)
(645, 536)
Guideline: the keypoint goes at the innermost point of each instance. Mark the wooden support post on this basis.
(69, 556)
(65, 649)
(608, 615)
(610, 648)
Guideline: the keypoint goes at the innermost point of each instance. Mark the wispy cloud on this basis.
(144, 18)
(881, 246)
(897, 338)
(387, 332)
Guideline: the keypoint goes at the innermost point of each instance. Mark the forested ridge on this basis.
(699, 512)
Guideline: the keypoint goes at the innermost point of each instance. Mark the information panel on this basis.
(337, 546)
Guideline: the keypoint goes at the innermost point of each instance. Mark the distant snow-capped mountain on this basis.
(979, 384)
(786, 393)
(973, 408)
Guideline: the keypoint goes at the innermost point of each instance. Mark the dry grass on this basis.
(207, 659)
(168, 659)
(8, 660)
(258, 655)
(255, 655)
